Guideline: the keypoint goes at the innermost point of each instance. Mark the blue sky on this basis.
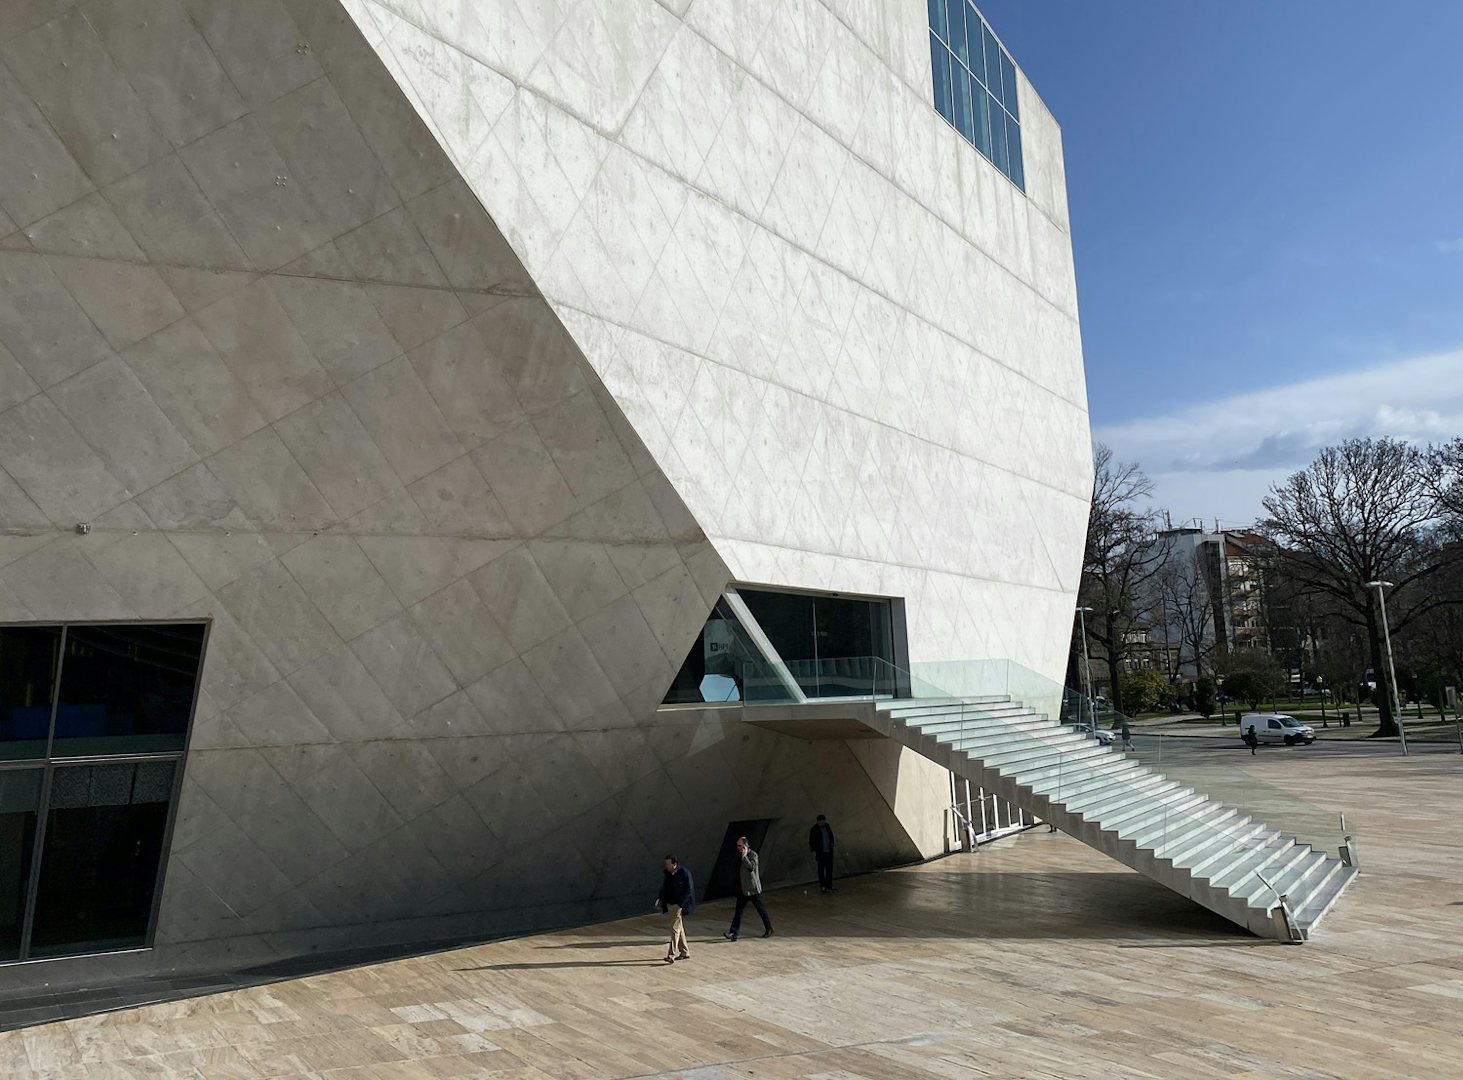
(1267, 207)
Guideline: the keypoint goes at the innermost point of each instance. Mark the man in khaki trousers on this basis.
(677, 899)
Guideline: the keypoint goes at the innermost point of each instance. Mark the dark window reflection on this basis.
(835, 646)
(20, 794)
(103, 843)
(27, 682)
(126, 689)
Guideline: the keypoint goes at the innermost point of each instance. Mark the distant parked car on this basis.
(1102, 735)
(1277, 727)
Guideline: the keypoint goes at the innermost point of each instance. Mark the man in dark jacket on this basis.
(677, 899)
(820, 843)
(749, 890)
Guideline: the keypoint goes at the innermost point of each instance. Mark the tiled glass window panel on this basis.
(975, 84)
(93, 723)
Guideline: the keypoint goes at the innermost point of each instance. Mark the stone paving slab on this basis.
(1034, 957)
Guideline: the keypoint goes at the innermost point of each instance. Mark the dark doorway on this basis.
(723, 879)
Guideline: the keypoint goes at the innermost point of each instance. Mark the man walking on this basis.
(749, 890)
(677, 899)
(820, 843)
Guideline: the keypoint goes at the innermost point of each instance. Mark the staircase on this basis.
(1217, 856)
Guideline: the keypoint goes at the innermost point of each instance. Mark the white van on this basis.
(1274, 727)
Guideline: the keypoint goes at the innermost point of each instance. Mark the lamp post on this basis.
(1086, 668)
(1391, 667)
(1219, 690)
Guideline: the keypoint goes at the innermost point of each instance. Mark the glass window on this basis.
(992, 63)
(1015, 170)
(940, 61)
(998, 137)
(956, 36)
(975, 44)
(20, 798)
(937, 17)
(834, 646)
(982, 121)
(963, 120)
(975, 84)
(81, 841)
(126, 689)
(714, 669)
(99, 864)
(1008, 84)
(27, 684)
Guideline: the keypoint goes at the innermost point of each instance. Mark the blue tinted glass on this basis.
(937, 17)
(1008, 82)
(975, 43)
(27, 685)
(940, 62)
(962, 119)
(982, 120)
(998, 137)
(1013, 151)
(992, 63)
(956, 37)
(126, 689)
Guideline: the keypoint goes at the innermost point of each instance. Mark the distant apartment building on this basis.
(1207, 599)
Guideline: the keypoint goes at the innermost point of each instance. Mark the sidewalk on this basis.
(1033, 957)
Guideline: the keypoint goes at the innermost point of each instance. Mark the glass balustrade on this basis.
(1148, 787)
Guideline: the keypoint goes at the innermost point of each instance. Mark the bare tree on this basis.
(1121, 561)
(1445, 479)
(1187, 611)
(1363, 511)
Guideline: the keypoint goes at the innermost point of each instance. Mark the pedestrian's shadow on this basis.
(566, 964)
(601, 944)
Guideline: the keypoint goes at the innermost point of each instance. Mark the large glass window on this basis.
(975, 84)
(830, 646)
(834, 646)
(93, 724)
(126, 688)
(104, 841)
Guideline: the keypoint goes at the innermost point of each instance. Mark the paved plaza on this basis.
(1034, 957)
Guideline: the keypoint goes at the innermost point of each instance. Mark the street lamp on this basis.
(1391, 667)
(1086, 668)
(1219, 691)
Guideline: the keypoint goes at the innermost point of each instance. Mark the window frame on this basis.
(1003, 114)
(48, 764)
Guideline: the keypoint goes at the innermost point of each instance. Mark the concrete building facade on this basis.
(422, 373)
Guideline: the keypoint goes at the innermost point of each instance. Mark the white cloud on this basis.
(1219, 458)
(1449, 247)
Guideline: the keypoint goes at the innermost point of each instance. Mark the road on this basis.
(1148, 746)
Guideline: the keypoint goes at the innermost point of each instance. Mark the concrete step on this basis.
(1173, 833)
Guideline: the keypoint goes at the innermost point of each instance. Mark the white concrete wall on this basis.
(850, 343)
(258, 334)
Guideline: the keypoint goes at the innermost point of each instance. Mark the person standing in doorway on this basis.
(820, 843)
(677, 899)
(749, 890)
